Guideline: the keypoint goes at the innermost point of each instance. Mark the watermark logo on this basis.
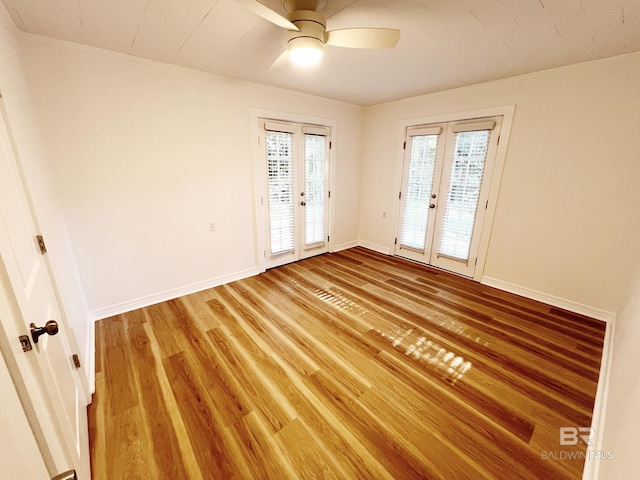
(572, 435)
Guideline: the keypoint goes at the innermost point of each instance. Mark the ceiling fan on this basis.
(307, 33)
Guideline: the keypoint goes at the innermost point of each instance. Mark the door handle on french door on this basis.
(51, 328)
(432, 205)
(303, 203)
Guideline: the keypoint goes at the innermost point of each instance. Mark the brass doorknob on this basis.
(433, 205)
(50, 328)
(303, 203)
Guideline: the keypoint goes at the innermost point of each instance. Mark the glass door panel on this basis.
(418, 193)
(281, 193)
(469, 158)
(463, 193)
(315, 188)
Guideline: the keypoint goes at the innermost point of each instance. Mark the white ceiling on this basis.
(443, 44)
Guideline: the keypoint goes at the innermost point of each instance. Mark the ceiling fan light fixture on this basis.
(305, 50)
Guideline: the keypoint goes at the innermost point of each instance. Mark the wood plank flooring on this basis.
(351, 365)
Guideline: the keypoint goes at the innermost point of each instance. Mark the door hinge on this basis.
(395, 242)
(498, 139)
(404, 146)
(330, 145)
(43, 247)
(76, 360)
(329, 193)
(399, 195)
(476, 261)
(70, 475)
(486, 205)
(328, 238)
(25, 342)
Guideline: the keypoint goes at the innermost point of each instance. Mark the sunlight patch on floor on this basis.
(415, 345)
(339, 300)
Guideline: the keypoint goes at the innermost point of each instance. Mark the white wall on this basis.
(147, 154)
(568, 213)
(32, 155)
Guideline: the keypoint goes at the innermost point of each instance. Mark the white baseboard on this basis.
(136, 303)
(592, 467)
(375, 247)
(344, 246)
(570, 305)
(92, 359)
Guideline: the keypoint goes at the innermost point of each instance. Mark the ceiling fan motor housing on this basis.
(312, 27)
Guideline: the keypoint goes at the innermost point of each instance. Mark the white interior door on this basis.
(297, 165)
(50, 383)
(445, 189)
(20, 457)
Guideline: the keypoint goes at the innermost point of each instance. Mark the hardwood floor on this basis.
(351, 365)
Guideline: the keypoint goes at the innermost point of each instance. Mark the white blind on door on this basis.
(463, 193)
(314, 188)
(281, 195)
(415, 214)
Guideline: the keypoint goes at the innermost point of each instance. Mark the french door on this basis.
(445, 189)
(297, 164)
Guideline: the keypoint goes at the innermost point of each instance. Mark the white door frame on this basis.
(259, 180)
(507, 112)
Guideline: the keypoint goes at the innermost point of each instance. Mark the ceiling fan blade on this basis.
(279, 62)
(268, 14)
(363, 37)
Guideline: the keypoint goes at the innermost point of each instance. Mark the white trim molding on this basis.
(376, 248)
(592, 464)
(346, 245)
(570, 305)
(136, 303)
(92, 360)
